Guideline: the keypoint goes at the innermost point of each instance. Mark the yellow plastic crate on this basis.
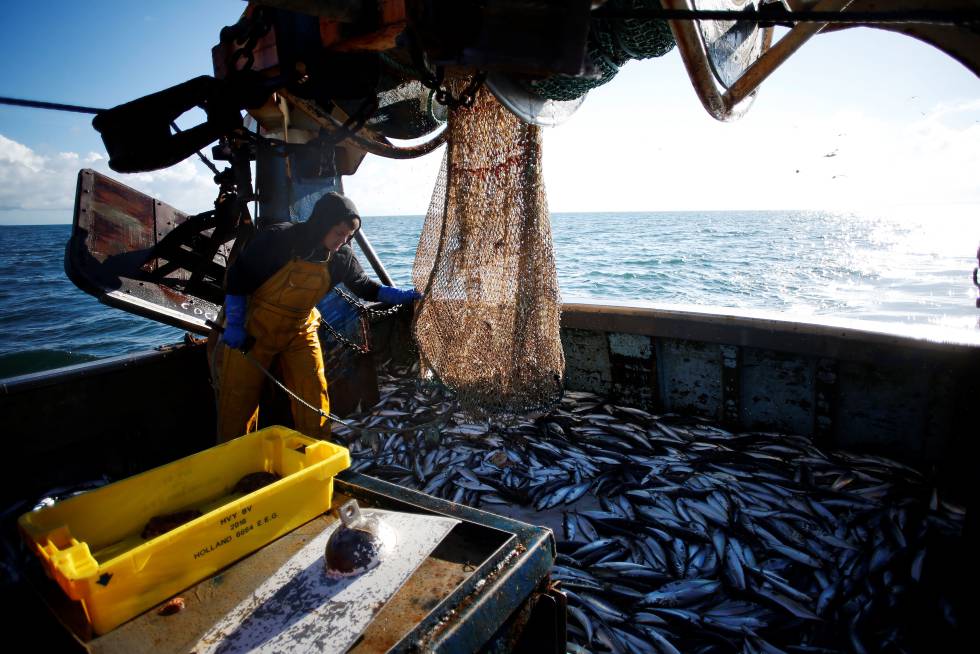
(92, 546)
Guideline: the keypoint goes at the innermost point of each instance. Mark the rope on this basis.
(374, 147)
(778, 14)
(262, 369)
(207, 162)
(54, 106)
(74, 108)
(329, 416)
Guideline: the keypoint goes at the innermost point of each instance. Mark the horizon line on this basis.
(619, 211)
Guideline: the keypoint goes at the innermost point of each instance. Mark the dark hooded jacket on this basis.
(277, 245)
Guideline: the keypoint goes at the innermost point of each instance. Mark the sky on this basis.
(856, 119)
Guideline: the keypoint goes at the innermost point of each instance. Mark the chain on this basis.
(343, 340)
(466, 98)
(365, 432)
(373, 314)
(444, 96)
(368, 313)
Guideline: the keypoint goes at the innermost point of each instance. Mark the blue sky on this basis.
(902, 118)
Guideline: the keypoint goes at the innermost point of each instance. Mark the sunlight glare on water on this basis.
(910, 267)
(903, 266)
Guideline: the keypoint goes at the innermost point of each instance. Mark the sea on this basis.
(898, 267)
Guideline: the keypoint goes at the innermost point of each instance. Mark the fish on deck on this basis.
(677, 535)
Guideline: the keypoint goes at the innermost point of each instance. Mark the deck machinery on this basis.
(324, 83)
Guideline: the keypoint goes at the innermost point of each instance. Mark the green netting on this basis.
(611, 44)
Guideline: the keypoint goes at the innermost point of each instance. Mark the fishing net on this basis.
(611, 44)
(489, 325)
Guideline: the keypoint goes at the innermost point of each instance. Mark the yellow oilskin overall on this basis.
(283, 319)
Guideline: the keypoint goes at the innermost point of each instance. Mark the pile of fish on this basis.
(679, 536)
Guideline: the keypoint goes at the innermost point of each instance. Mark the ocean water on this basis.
(909, 267)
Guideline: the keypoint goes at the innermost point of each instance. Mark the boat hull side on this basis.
(907, 396)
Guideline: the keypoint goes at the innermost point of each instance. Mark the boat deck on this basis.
(477, 578)
(675, 534)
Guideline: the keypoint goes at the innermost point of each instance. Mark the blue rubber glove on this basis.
(392, 295)
(234, 334)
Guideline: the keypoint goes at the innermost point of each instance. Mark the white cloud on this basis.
(33, 182)
(29, 181)
(187, 186)
(18, 155)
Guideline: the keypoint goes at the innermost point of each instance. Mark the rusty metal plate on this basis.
(111, 253)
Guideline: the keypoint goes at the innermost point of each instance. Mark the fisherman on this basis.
(270, 311)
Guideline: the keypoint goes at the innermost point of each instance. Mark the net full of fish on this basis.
(679, 536)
